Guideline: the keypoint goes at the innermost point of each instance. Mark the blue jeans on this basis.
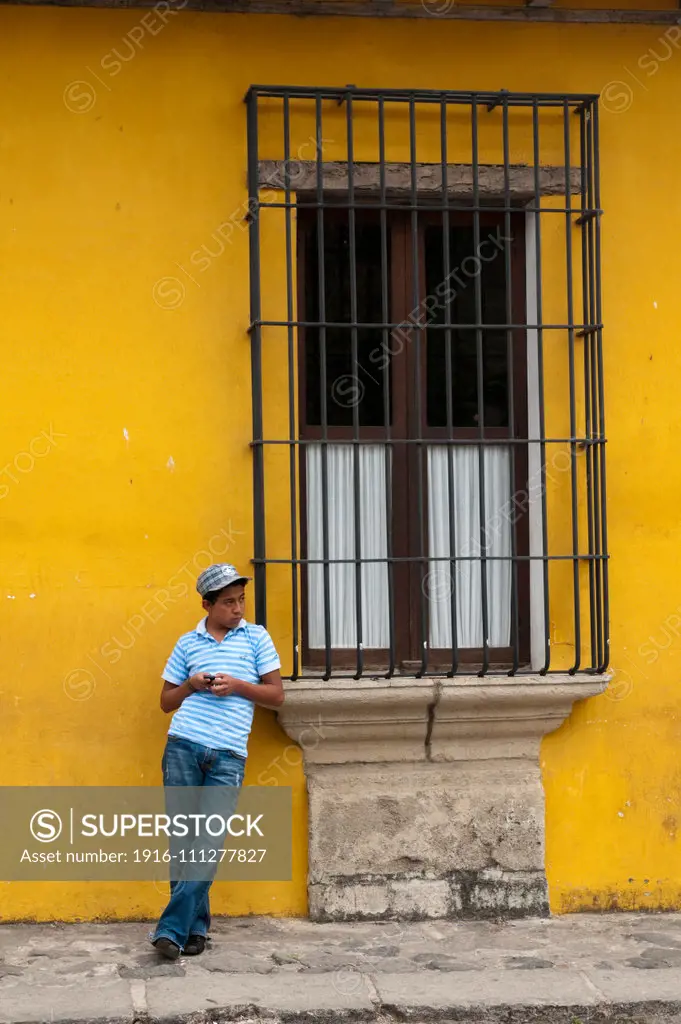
(186, 763)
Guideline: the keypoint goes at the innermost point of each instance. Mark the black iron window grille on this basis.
(427, 374)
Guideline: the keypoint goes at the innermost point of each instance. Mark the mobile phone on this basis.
(210, 679)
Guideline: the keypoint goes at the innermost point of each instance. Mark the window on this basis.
(410, 470)
(422, 371)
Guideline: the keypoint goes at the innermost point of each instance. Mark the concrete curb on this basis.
(480, 997)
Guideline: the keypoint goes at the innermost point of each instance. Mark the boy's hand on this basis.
(225, 685)
(199, 681)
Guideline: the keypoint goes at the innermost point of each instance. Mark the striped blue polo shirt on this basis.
(223, 723)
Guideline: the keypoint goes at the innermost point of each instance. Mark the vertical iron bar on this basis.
(595, 449)
(355, 377)
(386, 368)
(415, 249)
(479, 352)
(321, 267)
(540, 376)
(259, 542)
(293, 484)
(510, 378)
(587, 386)
(449, 448)
(571, 376)
(591, 228)
(601, 408)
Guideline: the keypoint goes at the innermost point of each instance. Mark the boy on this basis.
(212, 680)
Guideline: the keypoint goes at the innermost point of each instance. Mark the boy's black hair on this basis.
(213, 595)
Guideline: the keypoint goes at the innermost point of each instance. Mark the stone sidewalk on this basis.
(573, 970)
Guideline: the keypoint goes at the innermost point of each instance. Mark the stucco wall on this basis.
(125, 398)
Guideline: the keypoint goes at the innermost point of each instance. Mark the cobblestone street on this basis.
(569, 969)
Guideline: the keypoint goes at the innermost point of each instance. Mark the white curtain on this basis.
(467, 535)
(373, 465)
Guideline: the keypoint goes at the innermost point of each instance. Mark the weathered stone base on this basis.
(426, 840)
(488, 893)
(425, 820)
(425, 795)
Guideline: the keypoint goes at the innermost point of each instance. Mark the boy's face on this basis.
(228, 610)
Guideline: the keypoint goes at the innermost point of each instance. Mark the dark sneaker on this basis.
(195, 945)
(167, 948)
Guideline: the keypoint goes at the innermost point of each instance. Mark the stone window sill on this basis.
(433, 719)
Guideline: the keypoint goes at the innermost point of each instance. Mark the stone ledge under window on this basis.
(438, 719)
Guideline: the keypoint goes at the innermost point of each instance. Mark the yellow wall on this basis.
(136, 359)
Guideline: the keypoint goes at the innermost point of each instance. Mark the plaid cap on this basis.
(215, 577)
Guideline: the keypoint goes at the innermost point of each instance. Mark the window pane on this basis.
(459, 293)
(344, 389)
(374, 465)
(464, 579)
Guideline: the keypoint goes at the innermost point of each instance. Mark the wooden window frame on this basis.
(408, 576)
